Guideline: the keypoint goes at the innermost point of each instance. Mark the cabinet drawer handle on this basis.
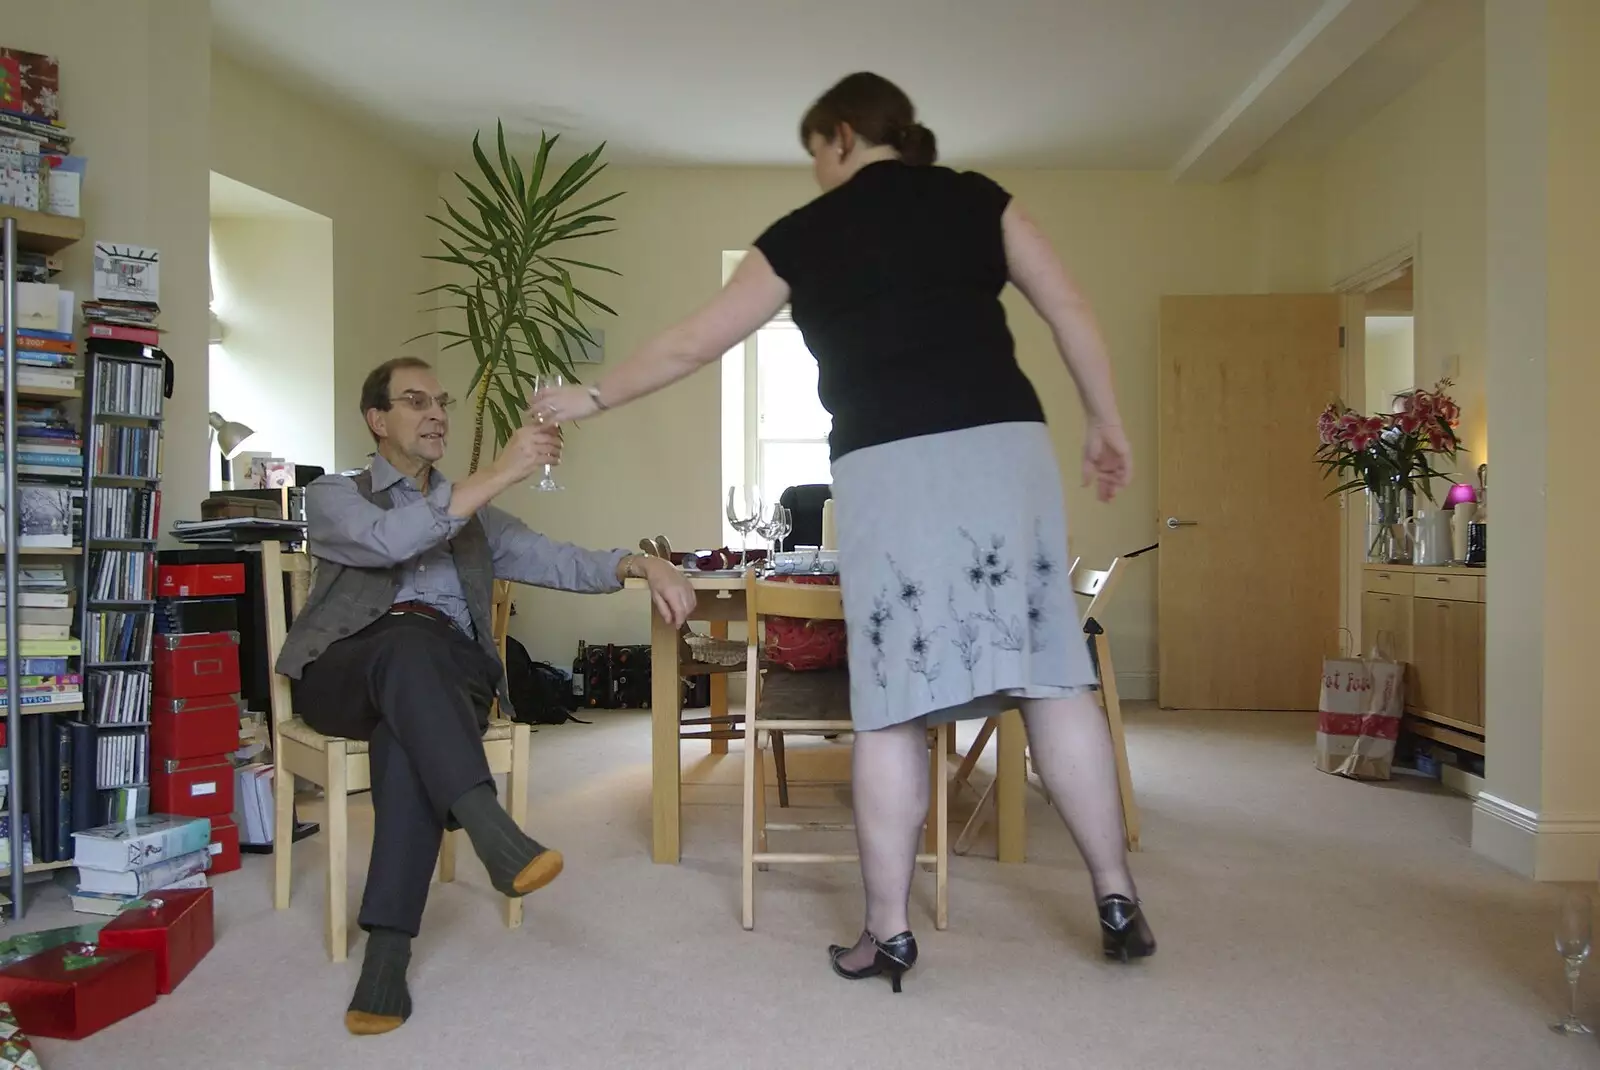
(1442, 579)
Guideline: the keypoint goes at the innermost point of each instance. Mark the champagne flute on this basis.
(547, 381)
(1573, 938)
(744, 510)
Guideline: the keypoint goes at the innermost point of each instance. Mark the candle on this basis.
(830, 533)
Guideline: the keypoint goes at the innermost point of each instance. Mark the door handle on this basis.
(1174, 522)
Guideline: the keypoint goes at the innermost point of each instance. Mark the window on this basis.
(774, 428)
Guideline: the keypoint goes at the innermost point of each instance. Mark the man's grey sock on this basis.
(381, 993)
(505, 850)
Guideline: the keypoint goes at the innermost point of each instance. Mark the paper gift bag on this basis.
(1359, 714)
(76, 990)
(174, 925)
(16, 1050)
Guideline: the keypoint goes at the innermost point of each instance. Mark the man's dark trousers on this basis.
(419, 690)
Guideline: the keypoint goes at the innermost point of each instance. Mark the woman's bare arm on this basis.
(750, 299)
(1038, 272)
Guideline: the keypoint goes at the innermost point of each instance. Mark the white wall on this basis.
(1390, 359)
(134, 79)
(656, 466)
(273, 280)
(303, 150)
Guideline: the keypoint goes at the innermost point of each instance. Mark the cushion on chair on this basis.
(304, 734)
(805, 696)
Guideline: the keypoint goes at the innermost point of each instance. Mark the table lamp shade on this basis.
(1461, 492)
(231, 435)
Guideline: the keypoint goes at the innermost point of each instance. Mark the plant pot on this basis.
(1388, 535)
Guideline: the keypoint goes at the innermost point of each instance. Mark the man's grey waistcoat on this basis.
(344, 600)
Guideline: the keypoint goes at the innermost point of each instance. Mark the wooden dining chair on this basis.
(339, 766)
(1097, 586)
(779, 702)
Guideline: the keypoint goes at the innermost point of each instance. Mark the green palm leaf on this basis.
(521, 306)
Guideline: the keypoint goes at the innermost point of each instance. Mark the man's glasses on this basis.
(421, 402)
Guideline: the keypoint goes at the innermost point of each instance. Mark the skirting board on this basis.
(1136, 686)
(1544, 847)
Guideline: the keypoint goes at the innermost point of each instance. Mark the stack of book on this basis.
(45, 358)
(124, 860)
(49, 443)
(44, 614)
(37, 169)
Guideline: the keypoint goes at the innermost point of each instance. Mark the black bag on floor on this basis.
(540, 692)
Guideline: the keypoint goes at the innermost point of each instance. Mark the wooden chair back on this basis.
(1096, 585)
(275, 565)
(774, 598)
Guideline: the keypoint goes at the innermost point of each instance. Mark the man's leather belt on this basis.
(422, 609)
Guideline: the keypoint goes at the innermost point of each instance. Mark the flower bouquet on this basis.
(1390, 456)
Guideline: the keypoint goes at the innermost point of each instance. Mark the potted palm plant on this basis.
(521, 311)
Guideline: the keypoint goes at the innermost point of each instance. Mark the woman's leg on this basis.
(1071, 746)
(890, 785)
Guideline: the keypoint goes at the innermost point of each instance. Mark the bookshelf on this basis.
(124, 395)
(41, 232)
(34, 232)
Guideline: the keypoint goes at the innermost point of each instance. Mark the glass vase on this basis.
(1388, 540)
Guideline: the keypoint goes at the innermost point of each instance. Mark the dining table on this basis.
(720, 599)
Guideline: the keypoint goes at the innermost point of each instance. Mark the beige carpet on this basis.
(1305, 922)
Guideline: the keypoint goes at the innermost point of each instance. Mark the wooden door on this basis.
(1248, 597)
(1447, 656)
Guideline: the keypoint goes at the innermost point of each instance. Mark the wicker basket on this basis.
(709, 651)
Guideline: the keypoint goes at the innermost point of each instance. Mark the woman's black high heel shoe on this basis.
(893, 957)
(1124, 933)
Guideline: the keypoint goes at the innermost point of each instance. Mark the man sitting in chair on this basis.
(395, 645)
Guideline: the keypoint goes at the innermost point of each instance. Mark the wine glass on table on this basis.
(1573, 938)
(779, 525)
(548, 381)
(744, 512)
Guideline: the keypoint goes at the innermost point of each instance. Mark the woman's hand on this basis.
(563, 404)
(1107, 459)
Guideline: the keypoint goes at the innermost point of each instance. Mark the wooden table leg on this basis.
(1011, 785)
(719, 694)
(666, 774)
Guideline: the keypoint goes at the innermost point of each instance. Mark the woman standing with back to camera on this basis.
(951, 524)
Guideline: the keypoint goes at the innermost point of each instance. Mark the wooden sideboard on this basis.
(1436, 618)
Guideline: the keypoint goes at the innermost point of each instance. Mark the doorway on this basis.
(1381, 333)
(271, 352)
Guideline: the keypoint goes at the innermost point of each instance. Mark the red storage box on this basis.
(199, 664)
(196, 581)
(192, 787)
(224, 845)
(76, 990)
(175, 926)
(194, 727)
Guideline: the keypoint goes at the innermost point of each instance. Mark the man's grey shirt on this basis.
(413, 538)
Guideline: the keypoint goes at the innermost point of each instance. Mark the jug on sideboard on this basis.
(1432, 538)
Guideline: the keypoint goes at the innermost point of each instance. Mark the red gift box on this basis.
(192, 787)
(175, 926)
(76, 990)
(198, 581)
(194, 727)
(197, 664)
(224, 846)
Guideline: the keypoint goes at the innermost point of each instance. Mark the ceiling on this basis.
(1195, 86)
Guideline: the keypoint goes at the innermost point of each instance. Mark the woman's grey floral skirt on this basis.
(953, 564)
